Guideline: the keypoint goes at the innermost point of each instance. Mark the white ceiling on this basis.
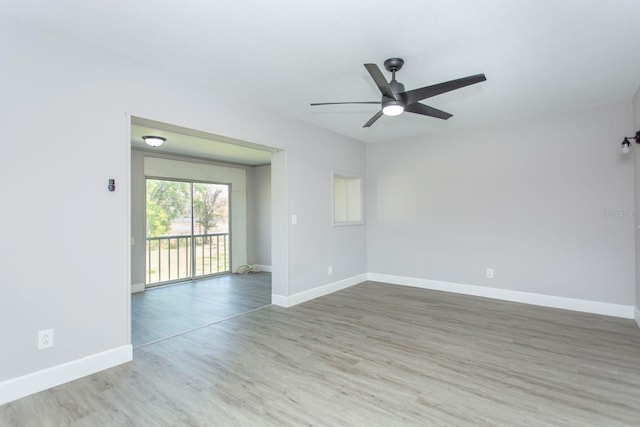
(190, 143)
(539, 56)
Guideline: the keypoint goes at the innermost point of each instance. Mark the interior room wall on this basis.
(260, 202)
(251, 214)
(65, 117)
(544, 201)
(636, 155)
(138, 221)
(312, 205)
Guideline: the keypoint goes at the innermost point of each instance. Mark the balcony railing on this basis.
(174, 258)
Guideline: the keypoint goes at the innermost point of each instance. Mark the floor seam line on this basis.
(200, 327)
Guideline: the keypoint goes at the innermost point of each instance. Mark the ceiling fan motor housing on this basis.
(393, 64)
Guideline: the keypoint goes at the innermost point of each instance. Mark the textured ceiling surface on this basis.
(539, 56)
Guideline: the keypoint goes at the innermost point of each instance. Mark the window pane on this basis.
(168, 231)
(211, 228)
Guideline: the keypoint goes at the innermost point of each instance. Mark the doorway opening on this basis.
(200, 211)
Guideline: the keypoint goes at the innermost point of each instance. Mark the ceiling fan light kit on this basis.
(395, 100)
(393, 108)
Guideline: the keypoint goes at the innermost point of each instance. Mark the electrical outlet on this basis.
(489, 273)
(330, 270)
(45, 339)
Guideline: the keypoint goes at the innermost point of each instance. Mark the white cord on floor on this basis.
(248, 269)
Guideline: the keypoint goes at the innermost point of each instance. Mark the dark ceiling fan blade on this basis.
(338, 103)
(380, 81)
(415, 95)
(425, 110)
(373, 119)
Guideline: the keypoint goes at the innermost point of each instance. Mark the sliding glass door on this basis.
(187, 230)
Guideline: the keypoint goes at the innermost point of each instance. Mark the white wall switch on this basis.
(294, 219)
(45, 339)
(330, 270)
(489, 273)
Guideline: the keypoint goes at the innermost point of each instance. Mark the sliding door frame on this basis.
(228, 245)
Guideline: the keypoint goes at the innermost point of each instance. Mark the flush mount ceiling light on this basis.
(626, 144)
(154, 141)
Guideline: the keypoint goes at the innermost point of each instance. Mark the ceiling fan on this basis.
(395, 100)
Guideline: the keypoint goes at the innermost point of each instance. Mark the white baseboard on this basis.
(637, 315)
(300, 297)
(25, 385)
(280, 300)
(137, 287)
(261, 267)
(596, 307)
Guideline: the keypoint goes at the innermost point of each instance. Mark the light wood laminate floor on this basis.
(370, 355)
(162, 312)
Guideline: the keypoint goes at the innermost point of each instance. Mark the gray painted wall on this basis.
(138, 219)
(259, 215)
(543, 201)
(315, 242)
(636, 156)
(251, 221)
(69, 103)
